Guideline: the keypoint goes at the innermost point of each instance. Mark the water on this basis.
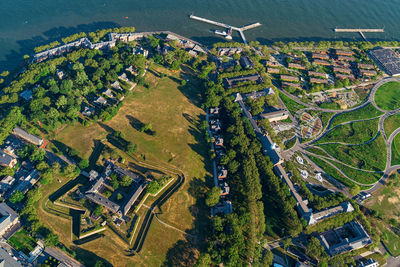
(25, 24)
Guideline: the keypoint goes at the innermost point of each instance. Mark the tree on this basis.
(267, 259)
(98, 210)
(175, 65)
(83, 164)
(51, 240)
(99, 264)
(114, 181)
(61, 102)
(131, 148)
(119, 196)
(126, 181)
(204, 260)
(16, 197)
(213, 195)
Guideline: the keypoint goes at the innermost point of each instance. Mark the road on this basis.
(63, 257)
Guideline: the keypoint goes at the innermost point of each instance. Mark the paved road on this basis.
(63, 257)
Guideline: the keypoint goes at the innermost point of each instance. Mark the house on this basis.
(7, 160)
(256, 94)
(222, 172)
(246, 62)
(219, 141)
(368, 263)
(60, 74)
(100, 101)
(296, 66)
(27, 136)
(132, 70)
(295, 85)
(140, 51)
(365, 66)
(344, 76)
(345, 58)
(228, 51)
(8, 218)
(107, 92)
(273, 70)
(220, 153)
(368, 72)
(215, 125)
(6, 183)
(87, 110)
(116, 86)
(321, 215)
(342, 70)
(277, 115)
(317, 80)
(7, 260)
(232, 82)
(289, 78)
(274, 64)
(123, 77)
(348, 53)
(346, 238)
(26, 95)
(316, 74)
(321, 62)
(27, 181)
(214, 111)
(223, 207)
(224, 189)
(319, 56)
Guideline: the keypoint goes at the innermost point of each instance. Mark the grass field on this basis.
(352, 133)
(175, 115)
(396, 150)
(387, 97)
(367, 112)
(22, 241)
(371, 156)
(291, 105)
(391, 124)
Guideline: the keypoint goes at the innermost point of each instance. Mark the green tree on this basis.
(98, 210)
(119, 196)
(213, 195)
(16, 197)
(204, 260)
(83, 164)
(126, 181)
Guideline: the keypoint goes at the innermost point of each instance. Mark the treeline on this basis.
(336, 44)
(97, 35)
(41, 48)
(73, 37)
(235, 240)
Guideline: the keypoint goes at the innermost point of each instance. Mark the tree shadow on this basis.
(183, 253)
(139, 126)
(88, 258)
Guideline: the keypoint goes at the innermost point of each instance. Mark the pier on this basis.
(226, 26)
(360, 31)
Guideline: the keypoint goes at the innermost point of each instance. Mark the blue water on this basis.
(25, 24)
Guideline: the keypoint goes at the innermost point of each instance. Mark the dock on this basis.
(360, 31)
(226, 26)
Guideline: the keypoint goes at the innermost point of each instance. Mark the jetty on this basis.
(229, 27)
(360, 31)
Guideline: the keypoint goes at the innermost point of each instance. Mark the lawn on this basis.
(21, 241)
(396, 150)
(290, 104)
(389, 238)
(367, 112)
(387, 97)
(371, 156)
(352, 133)
(175, 114)
(391, 124)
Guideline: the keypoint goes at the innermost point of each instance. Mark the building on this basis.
(107, 92)
(224, 189)
(7, 160)
(6, 183)
(321, 215)
(256, 94)
(296, 66)
(215, 125)
(6, 260)
(348, 237)
(223, 207)
(317, 80)
(60, 74)
(214, 111)
(246, 62)
(319, 56)
(277, 115)
(8, 218)
(387, 60)
(100, 101)
(273, 70)
(295, 85)
(140, 51)
(228, 51)
(346, 58)
(368, 263)
(87, 110)
(26, 181)
(232, 82)
(219, 141)
(316, 74)
(369, 73)
(222, 172)
(342, 70)
(344, 76)
(340, 52)
(289, 78)
(27, 136)
(365, 66)
(321, 62)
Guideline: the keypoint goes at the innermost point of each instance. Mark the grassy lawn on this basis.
(391, 124)
(175, 115)
(352, 133)
(366, 112)
(389, 238)
(325, 117)
(291, 105)
(22, 241)
(359, 176)
(387, 96)
(396, 150)
(371, 156)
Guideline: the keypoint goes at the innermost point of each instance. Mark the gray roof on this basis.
(8, 215)
(133, 198)
(387, 59)
(6, 260)
(27, 136)
(5, 159)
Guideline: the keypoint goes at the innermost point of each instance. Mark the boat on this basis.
(224, 34)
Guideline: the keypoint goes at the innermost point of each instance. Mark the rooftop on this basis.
(387, 59)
